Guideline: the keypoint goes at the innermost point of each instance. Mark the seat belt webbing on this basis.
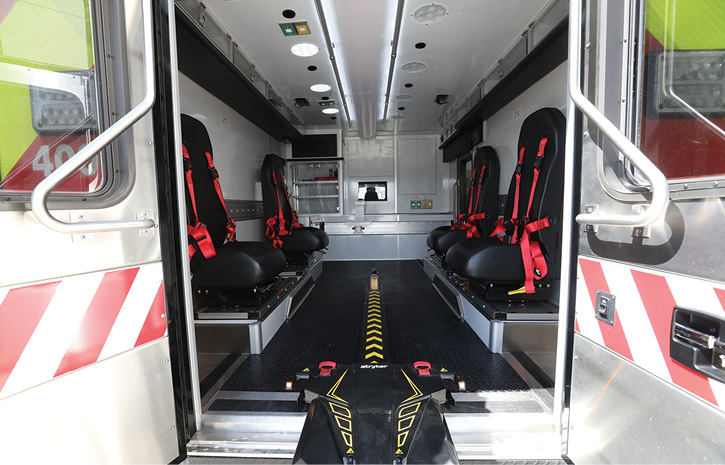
(198, 231)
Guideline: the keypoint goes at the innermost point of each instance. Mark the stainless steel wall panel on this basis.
(623, 414)
(120, 410)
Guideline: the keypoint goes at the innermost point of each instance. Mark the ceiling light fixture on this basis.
(305, 49)
(332, 35)
(320, 88)
(430, 13)
(404, 97)
(393, 54)
(330, 111)
(397, 117)
(414, 67)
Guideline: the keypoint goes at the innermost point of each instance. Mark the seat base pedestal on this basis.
(250, 297)
(500, 291)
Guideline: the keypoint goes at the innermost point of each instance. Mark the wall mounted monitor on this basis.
(376, 191)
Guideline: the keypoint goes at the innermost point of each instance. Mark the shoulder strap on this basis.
(199, 236)
(231, 225)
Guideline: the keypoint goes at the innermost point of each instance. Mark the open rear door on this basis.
(648, 357)
(85, 372)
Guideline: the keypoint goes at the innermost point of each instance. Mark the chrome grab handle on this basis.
(659, 187)
(39, 197)
(695, 337)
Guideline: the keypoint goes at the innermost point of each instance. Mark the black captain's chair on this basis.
(283, 227)
(482, 199)
(499, 264)
(232, 266)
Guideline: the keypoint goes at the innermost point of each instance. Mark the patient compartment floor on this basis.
(328, 326)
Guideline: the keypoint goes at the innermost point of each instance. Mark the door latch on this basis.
(698, 342)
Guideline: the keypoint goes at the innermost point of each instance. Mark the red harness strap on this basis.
(470, 226)
(461, 219)
(276, 224)
(499, 225)
(198, 232)
(531, 254)
(295, 218)
(277, 220)
(231, 225)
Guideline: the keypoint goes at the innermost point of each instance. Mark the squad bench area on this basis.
(500, 273)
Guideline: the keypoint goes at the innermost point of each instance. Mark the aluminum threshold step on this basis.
(483, 436)
(248, 434)
(504, 436)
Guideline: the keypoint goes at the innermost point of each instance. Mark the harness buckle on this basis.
(214, 173)
(519, 167)
(537, 164)
(187, 164)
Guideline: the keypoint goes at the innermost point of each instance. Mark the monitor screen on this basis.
(372, 191)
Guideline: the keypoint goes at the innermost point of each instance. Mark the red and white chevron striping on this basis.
(644, 307)
(49, 329)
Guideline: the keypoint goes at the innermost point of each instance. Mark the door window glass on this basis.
(682, 127)
(48, 94)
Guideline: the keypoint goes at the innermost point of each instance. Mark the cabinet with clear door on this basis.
(316, 186)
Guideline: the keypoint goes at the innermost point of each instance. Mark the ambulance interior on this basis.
(381, 116)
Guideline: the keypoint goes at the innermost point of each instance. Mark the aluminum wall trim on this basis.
(183, 254)
(567, 272)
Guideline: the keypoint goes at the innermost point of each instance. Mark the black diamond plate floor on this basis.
(328, 326)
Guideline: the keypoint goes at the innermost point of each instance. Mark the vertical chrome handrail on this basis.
(659, 187)
(39, 197)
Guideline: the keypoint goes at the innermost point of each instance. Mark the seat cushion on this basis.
(442, 238)
(237, 265)
(305, 239)
(486, 259)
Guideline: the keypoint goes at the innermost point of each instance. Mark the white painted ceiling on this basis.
(459, 49)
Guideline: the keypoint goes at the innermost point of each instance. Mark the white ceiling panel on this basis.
(458, 50)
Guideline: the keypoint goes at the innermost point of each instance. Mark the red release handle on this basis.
(326, 368)
(423, 368)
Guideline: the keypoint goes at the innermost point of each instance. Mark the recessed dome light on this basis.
(430, 13)
(320, 88)
(404, 97)
(413, 66)
(305, 49)
(397, 117)
(330, 111)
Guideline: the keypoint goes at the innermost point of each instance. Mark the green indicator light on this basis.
(288, 29)
(412, 204)
(417, 204)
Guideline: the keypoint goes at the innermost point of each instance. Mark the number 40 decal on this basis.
(62, 153)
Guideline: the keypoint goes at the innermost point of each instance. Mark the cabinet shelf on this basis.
(315, 182)
(316, 186)
(315, 196)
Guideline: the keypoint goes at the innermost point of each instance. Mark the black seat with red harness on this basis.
(283, 226)
(218, 261)
(482, 205)
(527, 250)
